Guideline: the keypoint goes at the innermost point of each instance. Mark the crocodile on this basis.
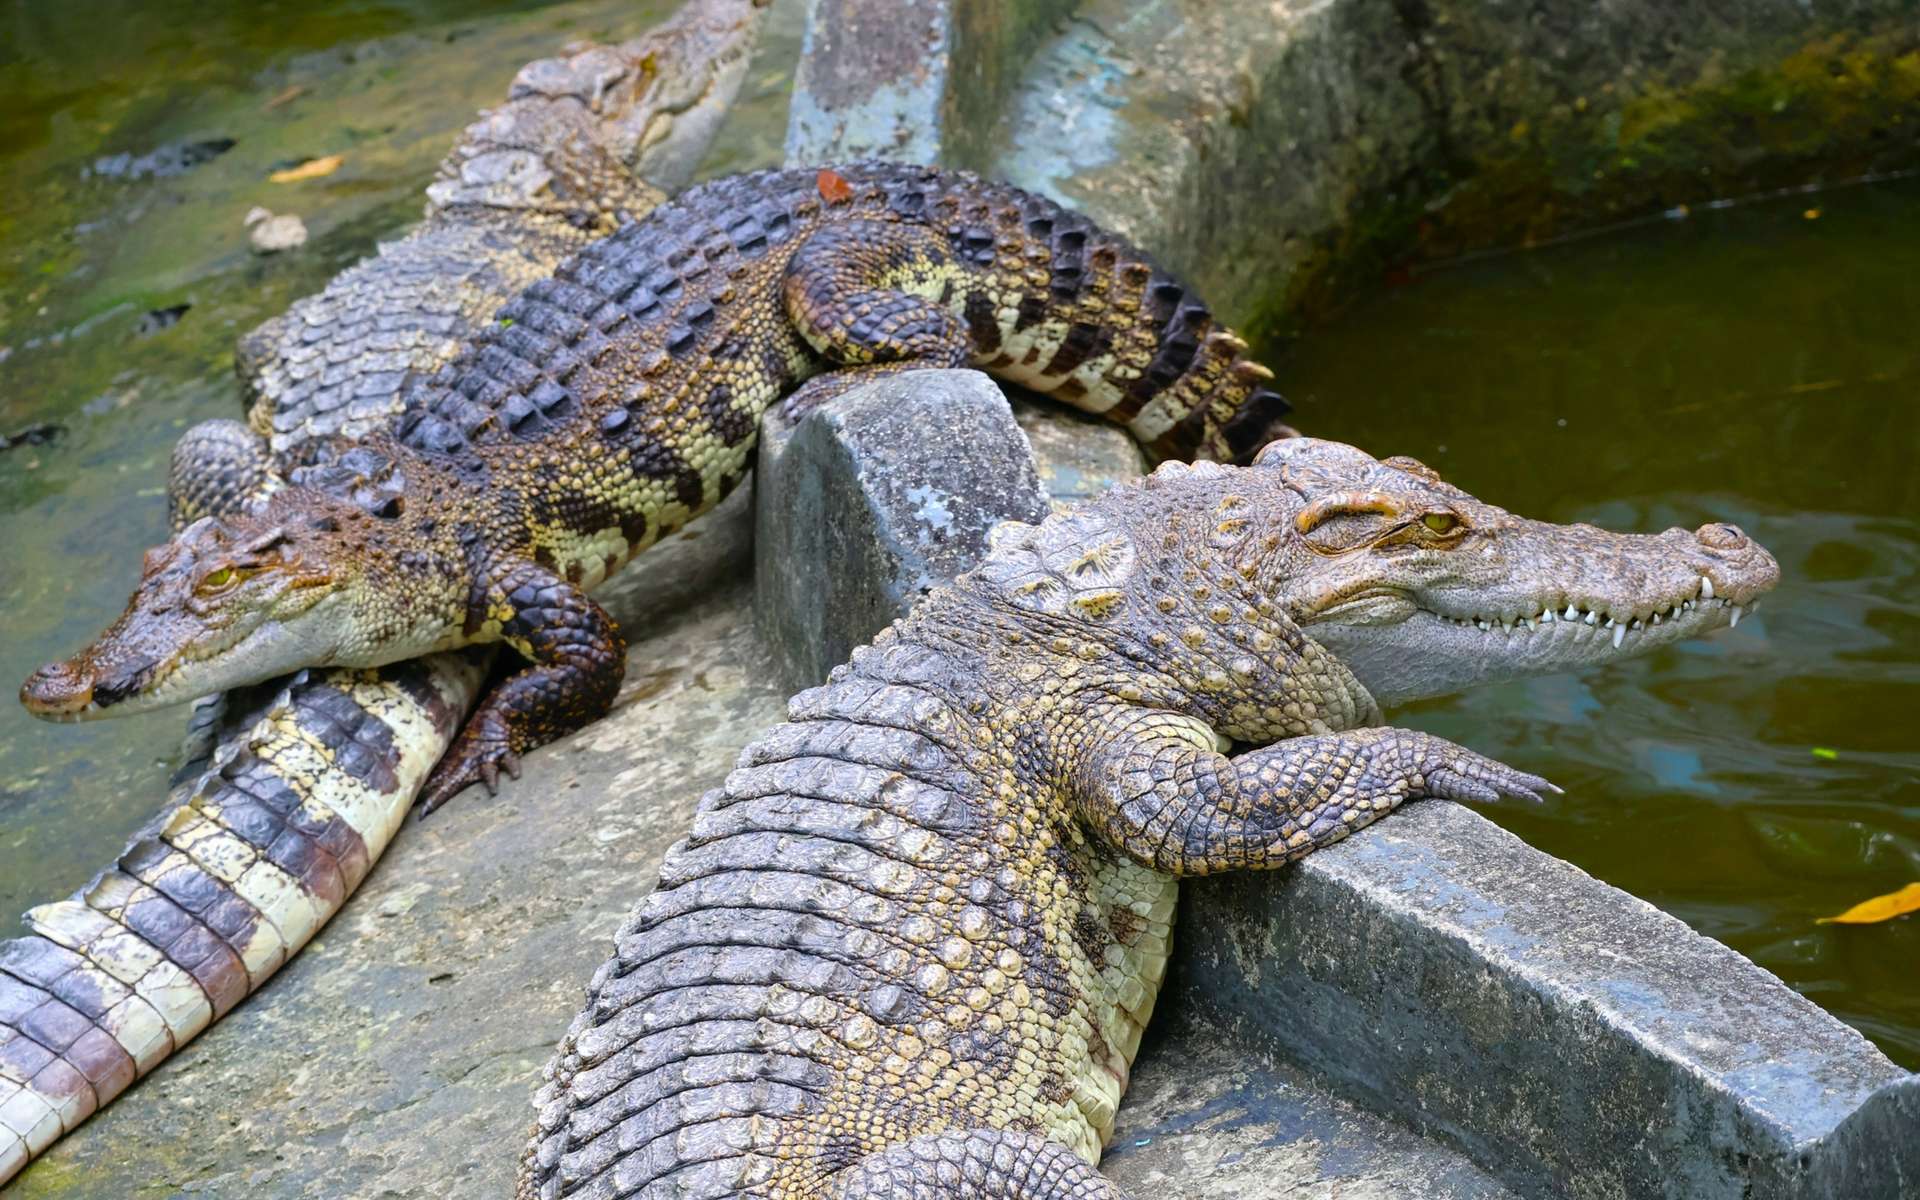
(610, 404)
(585, 143)
(910, 945)
(293, 790)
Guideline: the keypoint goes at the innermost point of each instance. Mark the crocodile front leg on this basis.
(578, 660)
(1161, 792)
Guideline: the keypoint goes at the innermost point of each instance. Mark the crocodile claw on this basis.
(468, 763)
(1470, 776)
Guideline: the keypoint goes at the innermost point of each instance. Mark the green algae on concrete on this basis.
(1286, 156)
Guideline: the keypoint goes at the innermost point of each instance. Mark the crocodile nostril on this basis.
(56, 689)
(1722, 537)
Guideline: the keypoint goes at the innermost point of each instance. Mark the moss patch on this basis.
(1834, 107)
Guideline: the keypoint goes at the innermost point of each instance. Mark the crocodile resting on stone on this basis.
(301, 785)
(909, 947)
(611, 404)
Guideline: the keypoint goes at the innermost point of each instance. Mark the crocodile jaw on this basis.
(1432, 654)
(110, 681)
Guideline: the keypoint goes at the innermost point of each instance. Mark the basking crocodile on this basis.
(611, 404)
(306, 783)
(909, 947)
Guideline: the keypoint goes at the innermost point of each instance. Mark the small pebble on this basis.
(271, 234)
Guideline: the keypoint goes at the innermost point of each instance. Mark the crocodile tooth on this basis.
(1619, 635)
(1572, 613)
(1706, 588)
(1482, 625)
(1546, 618)
(1636, 623)
(1736, 618)
(1592, 619)
(1656, 619)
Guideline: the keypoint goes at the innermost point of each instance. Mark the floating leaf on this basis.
(1880, 908)
(1825, 752)
(313, 168)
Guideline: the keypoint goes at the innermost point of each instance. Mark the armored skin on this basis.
(613, 403)
(909, 947)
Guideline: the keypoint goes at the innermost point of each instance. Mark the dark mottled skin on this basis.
(612, 403)
(909, 946)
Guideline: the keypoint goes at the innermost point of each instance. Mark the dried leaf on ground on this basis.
(313, 168)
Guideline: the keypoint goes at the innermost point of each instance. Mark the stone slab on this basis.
(1206, 1118)
(873, 499)
(1575, 1041)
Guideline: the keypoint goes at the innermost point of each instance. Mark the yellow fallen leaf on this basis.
(1880, 908)
(313, 168)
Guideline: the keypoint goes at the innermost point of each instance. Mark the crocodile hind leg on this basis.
(865, 295)
(1161, 793)
(578, 660)
(218, 469)
(975, 1164)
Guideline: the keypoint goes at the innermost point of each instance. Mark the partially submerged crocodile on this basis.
(909, 947)
(609, 405)
(303, 786)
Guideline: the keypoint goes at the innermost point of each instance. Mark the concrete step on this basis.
(1207, 1116)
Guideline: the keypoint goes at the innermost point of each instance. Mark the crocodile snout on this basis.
(57, 690)
(1734, 566)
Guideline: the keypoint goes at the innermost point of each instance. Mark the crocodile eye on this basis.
(1440, 522)
(218, 580)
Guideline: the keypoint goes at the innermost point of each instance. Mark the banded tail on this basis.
(226, 884)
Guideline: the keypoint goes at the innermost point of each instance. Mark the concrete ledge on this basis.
(1572, 1039)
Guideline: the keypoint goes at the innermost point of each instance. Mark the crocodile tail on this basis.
(975, 1164)
(244, 864)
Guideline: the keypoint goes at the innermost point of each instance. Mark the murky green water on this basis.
(1751, 365)
(83, 258)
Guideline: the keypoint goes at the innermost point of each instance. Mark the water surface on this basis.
(1759, 365)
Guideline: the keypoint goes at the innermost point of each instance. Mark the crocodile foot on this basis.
(479, 755)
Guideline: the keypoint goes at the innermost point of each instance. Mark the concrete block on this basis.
(910, 80)
(1573, 1040)
(872, 500)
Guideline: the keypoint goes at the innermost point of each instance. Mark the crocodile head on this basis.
(580, 128)
(685, 75)
(1422, 590)
(225, 603)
